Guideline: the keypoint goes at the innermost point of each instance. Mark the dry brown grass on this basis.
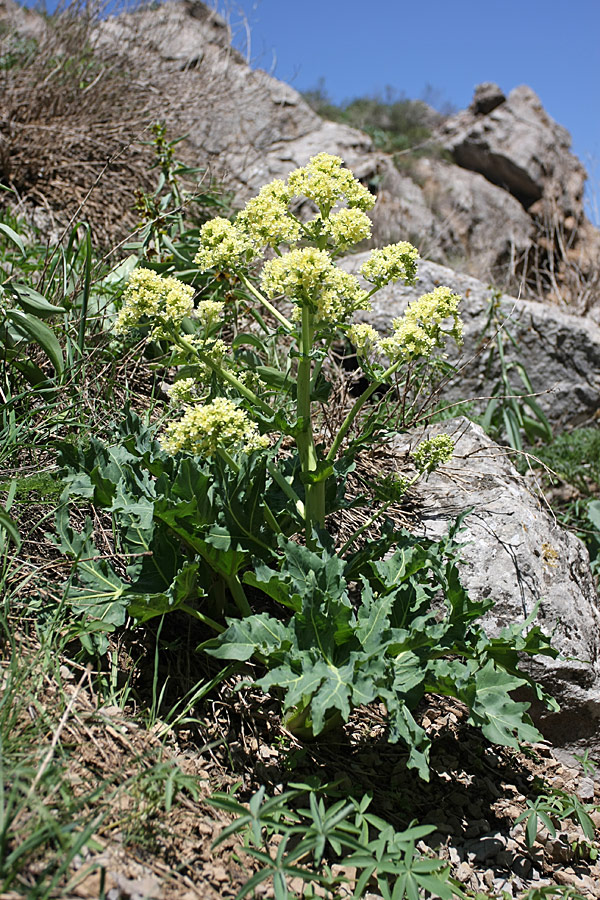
(72, 122)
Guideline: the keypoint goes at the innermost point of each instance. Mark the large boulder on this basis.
(517, 555)
(560, 352)
(483, 228)
(516, 145)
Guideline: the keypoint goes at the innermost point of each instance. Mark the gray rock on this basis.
(518, 146)
(516, 554)
(560, 352)
(485, 849)
(483, 228)
(487, 97)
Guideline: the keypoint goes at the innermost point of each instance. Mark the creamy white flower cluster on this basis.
(420, 330)
(164, 299)
(203, 430)
(417, 333)
(391, 263)
(309, 277)
(326, 182)
(433, 453)
(267, 220)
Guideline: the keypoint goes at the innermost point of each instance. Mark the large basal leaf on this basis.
(502, 719)
(255, 634)
(33, 329)
(95, 590)
(183, 590)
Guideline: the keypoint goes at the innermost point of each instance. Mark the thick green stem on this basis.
(239, 595)
(266, 303)
(206, 620)
(315, 493)
(358, 405)
(229, 377)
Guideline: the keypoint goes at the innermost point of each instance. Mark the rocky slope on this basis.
(507, 209)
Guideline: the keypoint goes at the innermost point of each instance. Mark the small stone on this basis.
(488, 878)
(585, 791)
(487, 848)
(567, 877)
(464, 872)
(559, 850)
(453, 855)
(522, 866)
(479, 826)
(219, 874)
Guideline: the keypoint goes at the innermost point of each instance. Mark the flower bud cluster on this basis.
(420, 330)
(209, 312)
(363, 336)
(308, 277)
(266, 220)
(203, 430)
(326, 182)
(391, 263)
(433, 453)
(223, 245)
(347, 227)
(164, 299)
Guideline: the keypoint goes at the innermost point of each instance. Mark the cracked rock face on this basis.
(516, 554)
(515, 144)
(560, 352)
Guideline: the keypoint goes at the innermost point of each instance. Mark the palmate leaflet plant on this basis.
(209, 515)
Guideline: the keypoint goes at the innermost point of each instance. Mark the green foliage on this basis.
(395, 123)
(574, 457)
(512, 413)
(554, 807)
(395, 643)
(343, 831)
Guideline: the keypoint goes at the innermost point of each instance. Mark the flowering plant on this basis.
(324, 299)
(232, 503)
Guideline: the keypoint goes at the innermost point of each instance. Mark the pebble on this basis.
(476, 828)
(585, 791)
(559, 850)
(488, 878)
(487, 848)
(522, 866)
(464, 872)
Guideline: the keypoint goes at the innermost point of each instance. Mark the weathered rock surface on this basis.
(516, 145)
(247, 128)
(516, 554)
(560, 352)
(482, 226)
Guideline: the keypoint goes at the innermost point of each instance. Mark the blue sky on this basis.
(359, 47)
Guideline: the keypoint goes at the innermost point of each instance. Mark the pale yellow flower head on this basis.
(266, 219)
(391, 263)
(407, 341)
(433, 453)
(363, 336)
(309, 277)
(347, 227)
(163, 299)
(420, 330)
(182, 391)
(209, 312)
(222, 245)
(326, 182)
(202, 430)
